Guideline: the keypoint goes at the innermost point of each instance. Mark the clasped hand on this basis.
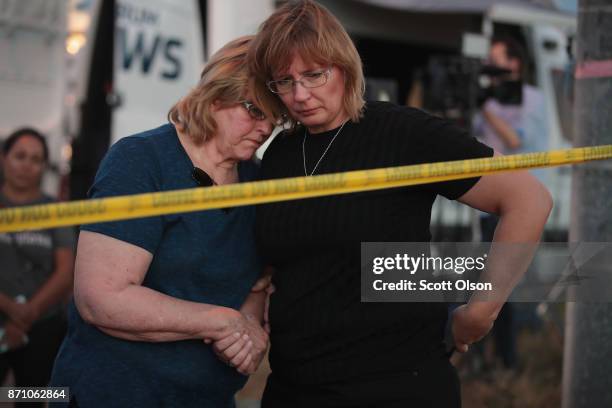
(245, 341)
(244, 346)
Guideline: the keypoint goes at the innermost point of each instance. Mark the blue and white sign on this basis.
(159, 54)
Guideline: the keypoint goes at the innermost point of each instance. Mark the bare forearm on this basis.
(254, 305)
(514, 245)
(153, 337)
(59, 285)
(141, 313)
(55, 290)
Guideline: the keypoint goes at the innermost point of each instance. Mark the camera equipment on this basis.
(455, 86)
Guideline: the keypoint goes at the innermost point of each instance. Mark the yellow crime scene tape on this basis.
(258, 192)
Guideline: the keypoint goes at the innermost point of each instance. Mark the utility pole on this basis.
(587, 369)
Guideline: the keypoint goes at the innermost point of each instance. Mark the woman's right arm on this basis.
(108, 294)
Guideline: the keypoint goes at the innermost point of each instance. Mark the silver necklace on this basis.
(323, 155)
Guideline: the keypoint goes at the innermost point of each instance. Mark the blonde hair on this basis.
(224, 80)
(310, 30)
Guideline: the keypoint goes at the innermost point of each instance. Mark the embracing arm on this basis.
(255, 303)
(254, 309)
(523, 205)
(108, 293)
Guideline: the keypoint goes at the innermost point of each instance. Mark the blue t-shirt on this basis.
(205, 256)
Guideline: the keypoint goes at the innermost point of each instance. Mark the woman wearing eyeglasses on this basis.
(327, 348)
(152, 294)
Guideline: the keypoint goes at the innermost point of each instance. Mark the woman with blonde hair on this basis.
(152, 294)
(327, 348)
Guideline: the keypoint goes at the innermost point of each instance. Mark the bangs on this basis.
(307, 29)
(225, 80)
(308, 37)
(308, 54)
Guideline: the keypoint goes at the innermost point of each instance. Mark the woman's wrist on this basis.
(221, 321)
(254, 305)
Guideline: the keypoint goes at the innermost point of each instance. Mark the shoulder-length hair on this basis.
(25, 131)
(225, 80)
(310, 30)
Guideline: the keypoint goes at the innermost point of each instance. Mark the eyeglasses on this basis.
(253, 110)
(313, 79)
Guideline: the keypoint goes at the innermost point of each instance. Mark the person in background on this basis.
(152, 294)
(512, 126)
(328, 349)
(518, 124)
(36, 269)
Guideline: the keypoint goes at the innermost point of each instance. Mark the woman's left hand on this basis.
(262, 283)
(235, 351)
(245, 351)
